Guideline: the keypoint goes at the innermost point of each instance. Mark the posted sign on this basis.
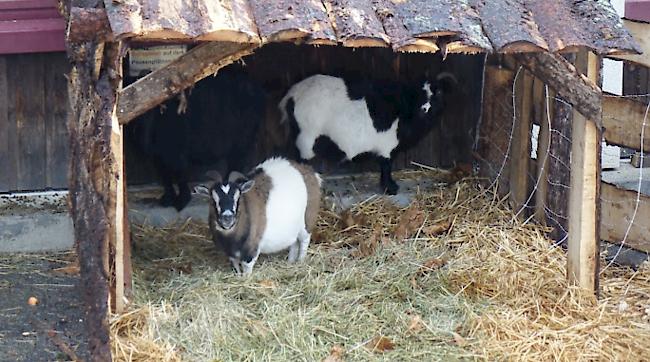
(145, 60)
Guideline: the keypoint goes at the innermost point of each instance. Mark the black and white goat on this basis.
(363, 116)
(272, 209)
(216, 122)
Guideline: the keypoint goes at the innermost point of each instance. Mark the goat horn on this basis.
(234, 176)
(214, 175)
(447, 75)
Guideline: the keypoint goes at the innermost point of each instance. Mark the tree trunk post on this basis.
(95, 180)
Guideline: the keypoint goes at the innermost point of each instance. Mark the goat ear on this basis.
(214, 176)
(245, 185)
(201, 190)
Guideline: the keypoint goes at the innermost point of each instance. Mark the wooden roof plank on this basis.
(454, 21)
(226, 20)
(125, 17)
(293, 20)
(407, 25)
(400, 37)
(641, 33)
(356, 23)
(575, 24)
(521, 32)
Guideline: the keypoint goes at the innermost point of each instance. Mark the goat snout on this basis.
(227, 219)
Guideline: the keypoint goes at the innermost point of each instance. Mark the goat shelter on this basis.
(509, 59)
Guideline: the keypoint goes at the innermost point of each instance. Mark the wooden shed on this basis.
(538, 36)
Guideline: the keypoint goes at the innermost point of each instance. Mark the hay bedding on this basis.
(453, 276)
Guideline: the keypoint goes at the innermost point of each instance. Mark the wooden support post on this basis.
(93, 180)
(126, 237)
(584, 210)
(559, 167)
(496, 126)
(543, 139)
(520, 149)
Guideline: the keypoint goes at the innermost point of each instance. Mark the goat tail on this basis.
(282, 106)
(447, 75)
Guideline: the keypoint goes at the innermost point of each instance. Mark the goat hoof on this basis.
(167, 200)
(391, 188)
(182, 201)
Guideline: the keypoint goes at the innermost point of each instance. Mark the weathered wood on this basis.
(224, 20)
(635, 81)
(293, 20)
(599, 24)
(159, 85)
(56, 131)
(584, 211)
(90, 123)
(29, 115)
(7, 177)
(542, 110)
(521, 32)
(623, 121)
(559, 74)
(496, 126)
(400, 38)
(126, 238)
(429, 18)
(118, 214)
(641, 33)
(559, 167)
(438, 18)
(356, 24)
(88, 24)
(115, 201)
(520, 149)
(559, 170)
(618, 209)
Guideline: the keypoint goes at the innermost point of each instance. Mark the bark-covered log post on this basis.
(495, 130)
(94, 179)
(559, 167)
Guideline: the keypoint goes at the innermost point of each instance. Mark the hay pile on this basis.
(452, 276)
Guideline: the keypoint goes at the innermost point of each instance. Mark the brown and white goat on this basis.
(273, 208)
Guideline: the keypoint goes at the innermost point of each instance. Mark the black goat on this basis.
(216, 121)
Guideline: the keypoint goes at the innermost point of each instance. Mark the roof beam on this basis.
(163, 83)
(563, 77)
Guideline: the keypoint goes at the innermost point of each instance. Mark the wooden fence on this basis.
(540, 187)
(623, 119)
(33, 130)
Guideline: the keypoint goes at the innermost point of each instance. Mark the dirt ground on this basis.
(51, 330)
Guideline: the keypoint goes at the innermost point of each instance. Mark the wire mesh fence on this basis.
(546, 159)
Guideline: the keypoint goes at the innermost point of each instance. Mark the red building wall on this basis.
(30, 26)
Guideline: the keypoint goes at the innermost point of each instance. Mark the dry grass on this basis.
(451, 277)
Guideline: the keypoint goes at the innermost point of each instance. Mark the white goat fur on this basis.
(285, 207)
(322, 107)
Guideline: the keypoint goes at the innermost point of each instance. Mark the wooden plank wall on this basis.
(33, 132)
(625, 213)
(278, 66)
